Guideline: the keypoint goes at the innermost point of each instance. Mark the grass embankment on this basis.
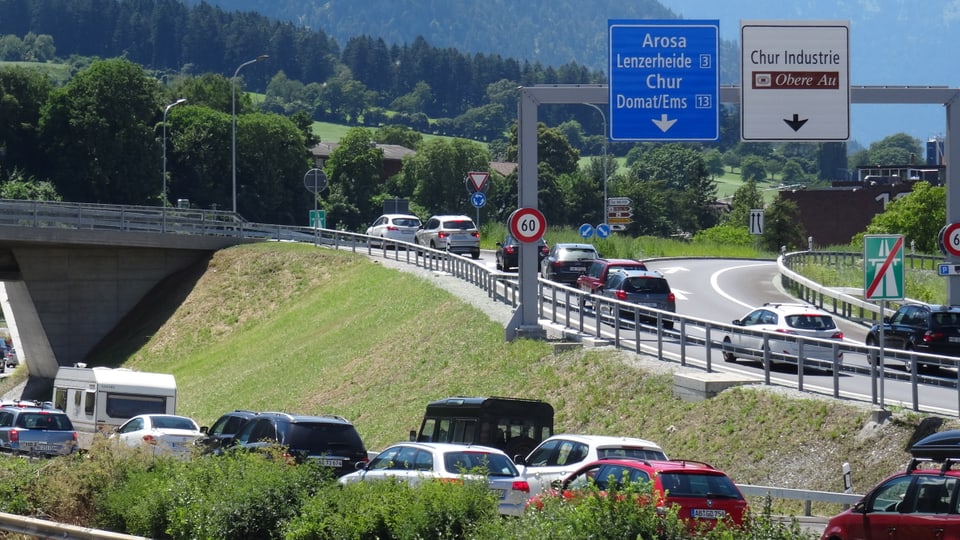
(296, 328)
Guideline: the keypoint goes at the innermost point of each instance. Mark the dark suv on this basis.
(566, 262)
(508, 252)
(643, 288)
(330, 441)
(220, 435)
(919, 327)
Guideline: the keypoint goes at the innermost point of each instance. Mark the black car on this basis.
(932, 329)
(220, 435)
(508, 252)
(566, 262)
(330, 441)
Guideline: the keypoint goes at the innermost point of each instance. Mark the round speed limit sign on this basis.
(527, 224)
(951, 239)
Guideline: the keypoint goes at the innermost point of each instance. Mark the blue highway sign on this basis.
(664, 80)
(603, 230)
(478, 199)
(586, 230)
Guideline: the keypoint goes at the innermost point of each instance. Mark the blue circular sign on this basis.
(603, 230)
(586, 230)
(478, 199)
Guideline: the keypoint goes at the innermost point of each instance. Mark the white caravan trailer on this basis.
(99, 399)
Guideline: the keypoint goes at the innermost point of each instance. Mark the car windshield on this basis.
(692, 484)
(811, 322)
(494, 464)
(646, 285)
(458, 224)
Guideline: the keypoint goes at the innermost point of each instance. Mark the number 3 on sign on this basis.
(527, 224)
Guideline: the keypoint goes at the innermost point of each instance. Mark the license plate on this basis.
(707, 513)
(327, 462)
(578, 268)
(954, 339)
(501, 493)
(647, 304)
(45, 448)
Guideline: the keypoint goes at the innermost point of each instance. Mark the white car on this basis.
(166, 434)
(414, 462)
(560, 455)
(401, 227)
(456, 234)
(802, 320)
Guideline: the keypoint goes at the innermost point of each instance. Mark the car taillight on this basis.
(392, 228)
(621, 295)
(150, 439)
(442, 234)
(521, 485)
(785, 331)
(14, 436)
(475, 234)
(837, 335)
(671, 298)
(509, 250)
(76, 437)
(544, 250)
(930, 336)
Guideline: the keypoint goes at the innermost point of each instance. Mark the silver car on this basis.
(456, 234)
(37, 430)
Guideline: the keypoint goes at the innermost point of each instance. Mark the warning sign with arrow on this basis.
(795, 80)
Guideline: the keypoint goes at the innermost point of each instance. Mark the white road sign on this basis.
(795, 80)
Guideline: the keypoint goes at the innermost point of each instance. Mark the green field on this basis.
(293, 327)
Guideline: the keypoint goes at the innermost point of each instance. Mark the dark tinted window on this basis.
(575, 254)
(323, 437)
(40, 420)
(946, 319)
(639, 453)
(406, 222)
(124, 406)
(459, 224)
(172, 422)
(811, 322)
(692, 484)
(619, 475)
(645, 285)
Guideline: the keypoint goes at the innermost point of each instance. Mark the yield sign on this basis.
(477, 181)
(883, 267)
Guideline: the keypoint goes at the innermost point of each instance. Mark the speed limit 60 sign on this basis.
(527, 224)
(951, 239)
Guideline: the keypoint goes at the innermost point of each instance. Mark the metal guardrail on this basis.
(42, 528)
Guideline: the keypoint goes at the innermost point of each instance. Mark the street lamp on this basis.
(233, 110)
(603, 213)
(163, 191)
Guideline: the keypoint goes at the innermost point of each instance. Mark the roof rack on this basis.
(947, 463)
(684, 463)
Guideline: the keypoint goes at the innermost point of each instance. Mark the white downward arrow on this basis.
(663, 123)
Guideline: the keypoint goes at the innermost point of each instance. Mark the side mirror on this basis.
(499, 244)
(737, 322)
(556, 484)
(519, 460)
(204, 429)
(860, 508)
(413, 435)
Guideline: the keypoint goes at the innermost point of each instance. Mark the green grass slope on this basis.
(304, 329)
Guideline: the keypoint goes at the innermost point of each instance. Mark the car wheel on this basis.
(475, 254)
(728, 356)
(906, 363)
(499, 265)
(871, 341)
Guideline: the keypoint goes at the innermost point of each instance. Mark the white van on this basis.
(99, 399)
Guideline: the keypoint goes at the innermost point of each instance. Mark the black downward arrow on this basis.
(796, 123)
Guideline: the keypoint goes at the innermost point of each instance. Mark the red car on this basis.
(703, 494)
(596, 276)
(921, 502)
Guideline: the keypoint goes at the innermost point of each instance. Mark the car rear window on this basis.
(495, 464)
(406, 222)
(811, 322)
(631, 452)
(172, 422)
(946, 319)
(323, 437)
(694, 484)
(646, 285)
(44, 421)
(459, 224)
(576, 254)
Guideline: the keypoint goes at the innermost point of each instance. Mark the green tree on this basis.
(714, 162)
(211, 90)
(746, 198)
(199, 163)
(400, 135)
(101, 132)
(20, 186)
(438, 171)
(23, 93)
(781, 226)
(918, 216)
(793, 172)
(356, 166)
(752, 168)
(691, 190)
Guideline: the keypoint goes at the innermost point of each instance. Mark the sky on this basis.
(892, 43)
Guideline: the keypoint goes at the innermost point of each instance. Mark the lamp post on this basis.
(233, 111)
(163, 190)
(603, 213)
